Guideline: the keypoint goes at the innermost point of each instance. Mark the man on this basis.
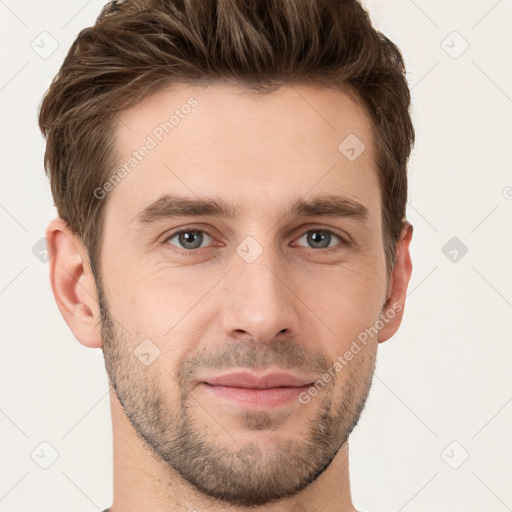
(230, 178)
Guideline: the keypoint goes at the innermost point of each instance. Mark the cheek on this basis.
(158, 303)
(348, 304)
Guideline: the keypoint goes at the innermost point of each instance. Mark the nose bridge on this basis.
(257, 298)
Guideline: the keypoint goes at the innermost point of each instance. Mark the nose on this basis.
(259, 299)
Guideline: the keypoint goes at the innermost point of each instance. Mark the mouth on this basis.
(257, 391)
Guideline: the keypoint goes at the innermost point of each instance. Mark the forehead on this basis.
(249, 148)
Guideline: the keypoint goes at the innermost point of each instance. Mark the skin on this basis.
(297, 306)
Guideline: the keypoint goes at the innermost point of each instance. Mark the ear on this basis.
(393, 312)
(73, 284)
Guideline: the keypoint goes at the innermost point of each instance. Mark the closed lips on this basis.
(248, 380)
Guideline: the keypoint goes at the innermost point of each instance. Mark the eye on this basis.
(322, 238)
(189, 239)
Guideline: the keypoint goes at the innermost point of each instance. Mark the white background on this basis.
(444, 378)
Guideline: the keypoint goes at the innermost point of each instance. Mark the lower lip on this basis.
(254, 397)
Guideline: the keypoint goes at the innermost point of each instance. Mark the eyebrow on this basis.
(170, 206)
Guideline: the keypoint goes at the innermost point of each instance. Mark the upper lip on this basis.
(251, 380)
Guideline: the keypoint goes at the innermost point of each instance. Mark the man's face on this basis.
(264, 290)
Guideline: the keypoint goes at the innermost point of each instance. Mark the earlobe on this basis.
(393, 312)
(73, 284)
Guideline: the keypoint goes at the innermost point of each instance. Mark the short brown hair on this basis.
(138, 47)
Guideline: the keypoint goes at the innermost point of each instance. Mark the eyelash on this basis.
(190, 252)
